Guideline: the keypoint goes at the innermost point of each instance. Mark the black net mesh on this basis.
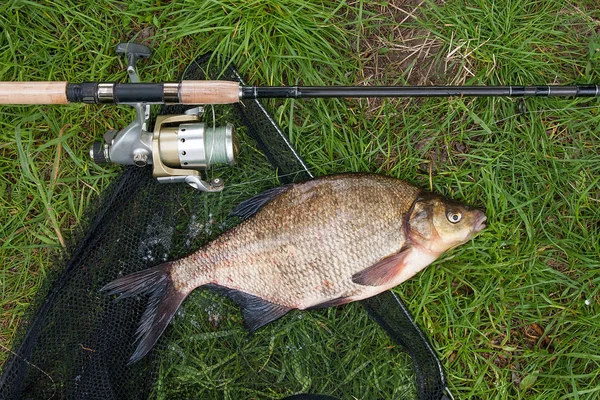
(78, 341)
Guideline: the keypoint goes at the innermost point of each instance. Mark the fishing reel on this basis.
(178, 148)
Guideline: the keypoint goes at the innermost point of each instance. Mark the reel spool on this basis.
(194, 145)
(182, 146)
(179, 147)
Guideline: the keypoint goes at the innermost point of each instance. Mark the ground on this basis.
(512, 314)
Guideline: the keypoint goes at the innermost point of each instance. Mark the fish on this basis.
(320, 243)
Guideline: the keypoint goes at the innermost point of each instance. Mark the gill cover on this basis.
(437, 224)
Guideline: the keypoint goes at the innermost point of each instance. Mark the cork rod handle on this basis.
(33, 93)
(209, 92)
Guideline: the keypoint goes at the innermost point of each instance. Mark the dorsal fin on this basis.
(249, 207)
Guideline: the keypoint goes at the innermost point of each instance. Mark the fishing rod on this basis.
(226, 92)
(180, 146)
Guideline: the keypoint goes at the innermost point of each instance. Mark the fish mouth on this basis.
(480, 218)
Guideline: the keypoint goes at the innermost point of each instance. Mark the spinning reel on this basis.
(179, 146)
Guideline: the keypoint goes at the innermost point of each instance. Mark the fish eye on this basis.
(454, 216)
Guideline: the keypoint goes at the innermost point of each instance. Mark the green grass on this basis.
(513, 314)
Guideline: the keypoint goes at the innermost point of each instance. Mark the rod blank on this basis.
(417, 91)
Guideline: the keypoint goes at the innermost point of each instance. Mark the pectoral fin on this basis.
(384, 271)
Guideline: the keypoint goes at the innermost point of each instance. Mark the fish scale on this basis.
(324, 242)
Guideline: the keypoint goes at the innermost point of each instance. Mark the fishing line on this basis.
(337, 161)
(545, 111)
(340, 161)
(213, 136)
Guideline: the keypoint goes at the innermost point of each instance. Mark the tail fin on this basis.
(164, 302)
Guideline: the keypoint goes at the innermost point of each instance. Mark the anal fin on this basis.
(256, 311)
(384, 271)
